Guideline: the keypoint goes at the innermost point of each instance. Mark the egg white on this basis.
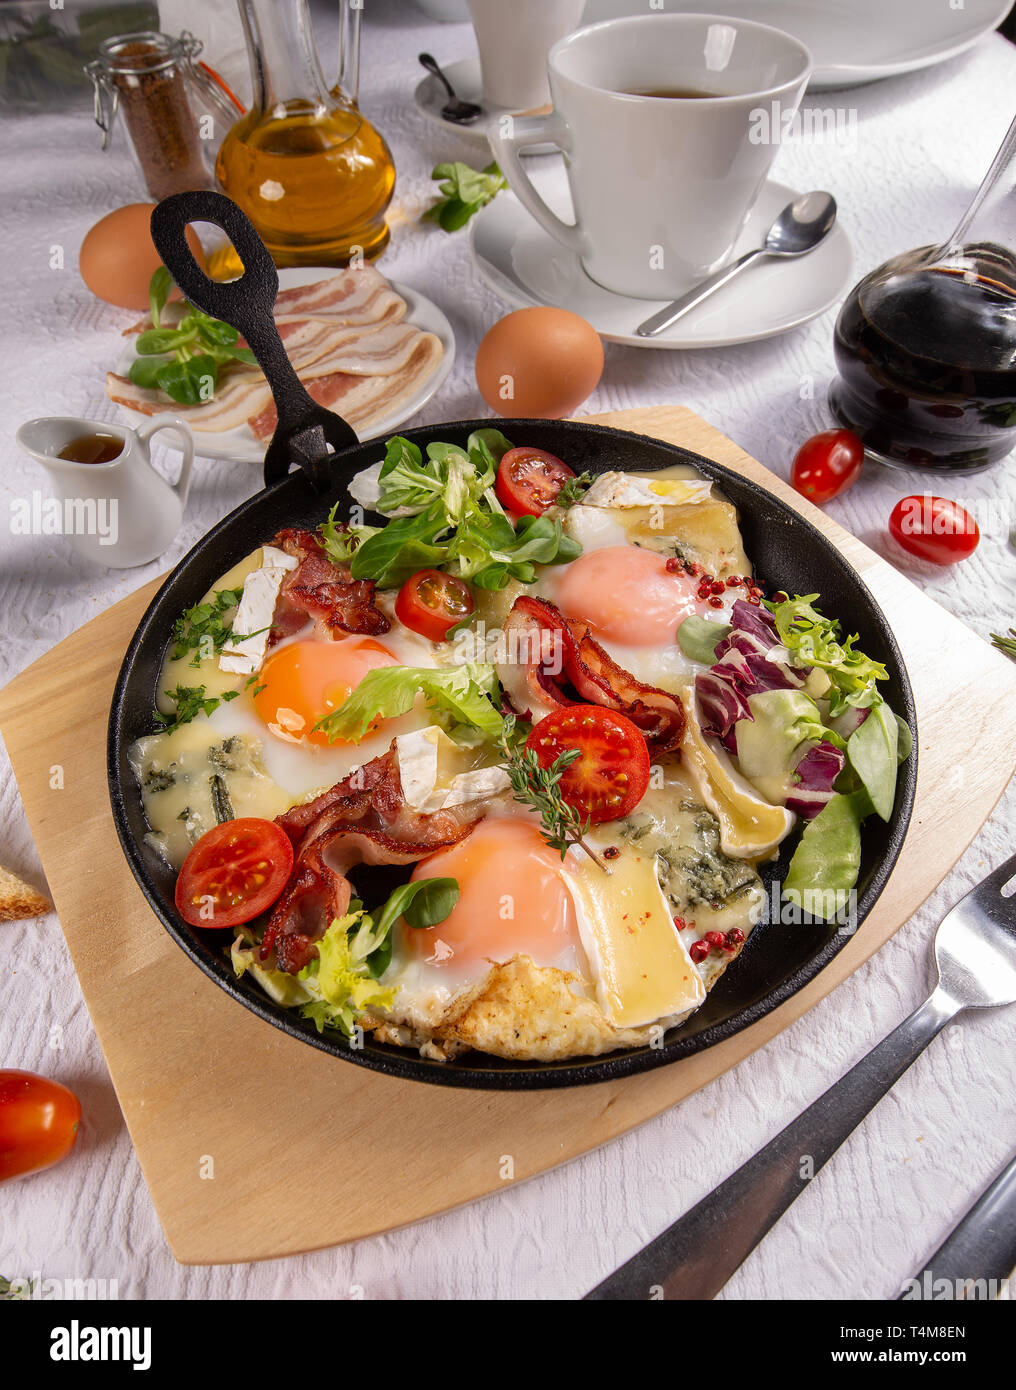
(664, 665)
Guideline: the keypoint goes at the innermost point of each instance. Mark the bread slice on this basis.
(19, 899)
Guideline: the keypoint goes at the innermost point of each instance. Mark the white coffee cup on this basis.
(120, 513)
(514, 38)
(661, 185)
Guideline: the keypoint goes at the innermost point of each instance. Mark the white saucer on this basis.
(240, 445)
(525, 265)
(851, 41)
(464, 76)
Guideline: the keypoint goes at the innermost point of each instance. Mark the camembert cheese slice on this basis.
(750, 827)
(642, 969)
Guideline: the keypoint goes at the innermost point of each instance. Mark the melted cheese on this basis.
(642, 969)
(750, 827)
(255, 611)
(437, 774)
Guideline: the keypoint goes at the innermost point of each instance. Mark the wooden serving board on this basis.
(162, 1024)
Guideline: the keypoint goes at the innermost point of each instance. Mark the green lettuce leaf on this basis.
(813, 640)
(827, 859)
(458, 696)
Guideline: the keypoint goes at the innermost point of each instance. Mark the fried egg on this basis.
(632, 602)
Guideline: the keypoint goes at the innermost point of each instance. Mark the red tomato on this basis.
(38, 1123)
(610, 776)
(934, 528)
(528, 480)
(431, 602)
(827, 464)
(234, 872)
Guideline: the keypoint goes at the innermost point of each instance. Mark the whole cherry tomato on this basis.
(38, 1123)
(934, 528)
(826, 465)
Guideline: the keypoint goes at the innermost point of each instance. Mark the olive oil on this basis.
(314, 183)
(309, 171)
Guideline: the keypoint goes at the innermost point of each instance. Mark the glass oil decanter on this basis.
(926, 344)
(309, 171)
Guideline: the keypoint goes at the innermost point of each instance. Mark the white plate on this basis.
(464, 76)
(851, 41)
(524, 265)
(241, 445)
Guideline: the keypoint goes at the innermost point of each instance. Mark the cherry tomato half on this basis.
(610, 776)
(934, 528)
(235, 871)
(826, 465)
(39, 1122)
(431, 602)
(528, 480)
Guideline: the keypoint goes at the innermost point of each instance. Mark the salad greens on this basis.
(768, 744)
(353, 954)
(872, 753)
(826, 862)
(205, 624)
(190, 701)
(697, 637)
(459, 696)
(445, 514)
(183, 359)
(813, 640)
(464, 192)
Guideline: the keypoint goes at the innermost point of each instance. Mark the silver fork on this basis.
(975, 955)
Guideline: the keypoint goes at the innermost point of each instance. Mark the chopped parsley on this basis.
(190, 701)
(205, 628)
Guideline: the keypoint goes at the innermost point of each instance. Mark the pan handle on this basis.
(305, 429)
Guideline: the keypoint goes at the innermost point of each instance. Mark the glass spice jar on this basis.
(175, 113)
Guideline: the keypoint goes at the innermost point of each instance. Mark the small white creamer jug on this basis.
(119, 511)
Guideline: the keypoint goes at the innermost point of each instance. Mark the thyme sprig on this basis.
(561, 825)
(1006, 644)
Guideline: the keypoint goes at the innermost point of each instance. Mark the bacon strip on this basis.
(535, 679)
(347, 341)
(361, 820)
(351, 296)
(321, 590)
(241, 392)
(363, 398)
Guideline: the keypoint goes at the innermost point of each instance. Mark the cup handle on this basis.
(173, 422)
(510, 134)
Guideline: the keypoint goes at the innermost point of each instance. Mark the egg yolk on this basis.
(302, 682)
(512, 900)
(626, 594)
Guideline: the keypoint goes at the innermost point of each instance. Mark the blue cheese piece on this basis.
(254, 612)
(427, 762)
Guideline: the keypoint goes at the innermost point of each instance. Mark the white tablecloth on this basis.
(886, 1200)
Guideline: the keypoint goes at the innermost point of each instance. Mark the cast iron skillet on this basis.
(787, 553)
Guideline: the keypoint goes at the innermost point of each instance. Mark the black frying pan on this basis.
(788, 553)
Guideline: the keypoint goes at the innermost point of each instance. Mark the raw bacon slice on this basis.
(240, 393)
(321, 590)
(363, 399)
(361, 820)
(350, 297)
(539, 672)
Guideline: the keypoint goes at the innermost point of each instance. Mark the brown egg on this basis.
(118, 257)
(539, 362)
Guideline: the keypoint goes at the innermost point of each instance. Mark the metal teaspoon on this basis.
(800, 227)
